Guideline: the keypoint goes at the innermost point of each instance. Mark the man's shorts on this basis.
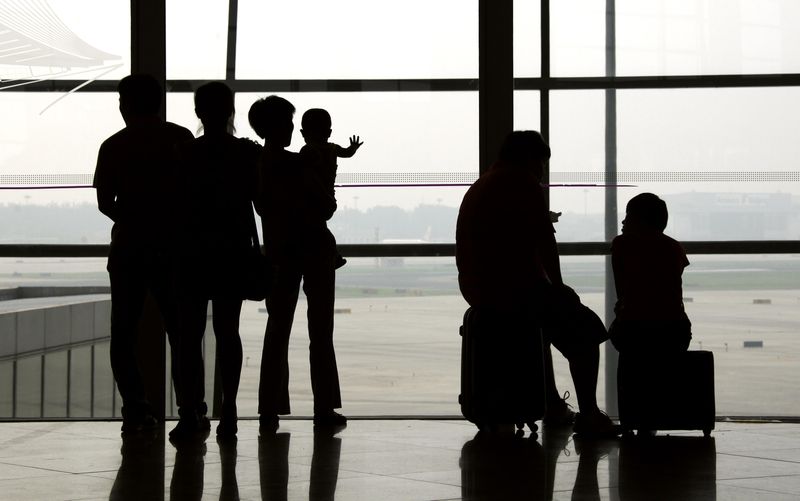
(573, 329)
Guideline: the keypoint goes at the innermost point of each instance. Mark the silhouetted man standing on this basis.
(134, 179)
(508, 262)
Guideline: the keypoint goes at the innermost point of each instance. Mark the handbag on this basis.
(257, 274)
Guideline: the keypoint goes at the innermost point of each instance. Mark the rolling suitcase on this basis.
(676, 393)
(502, 375)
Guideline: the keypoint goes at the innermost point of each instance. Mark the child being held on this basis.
(648, 265)
(316, 130)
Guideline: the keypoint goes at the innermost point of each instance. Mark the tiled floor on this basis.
(404, 460)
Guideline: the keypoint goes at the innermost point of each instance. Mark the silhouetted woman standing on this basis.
(216, 216)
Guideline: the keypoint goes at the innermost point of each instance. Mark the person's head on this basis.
(316, 125)
(645, 212)
(271, 118)
(139, 95)
(525, 149)
(213, 104)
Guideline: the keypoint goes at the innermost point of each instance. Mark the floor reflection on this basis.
(273, 465)
(507, 466)
(324, 465)
(668, 468)
(141, 472)
(503, 466)
(493, 466)
(187, 475)
(229, 490)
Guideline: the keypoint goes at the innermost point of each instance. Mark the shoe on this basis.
(137, 420)
(227, 428)
(329, 418)
(268, 423)
(202, 417)
(559, 413)
(595, 425)
(191, 424)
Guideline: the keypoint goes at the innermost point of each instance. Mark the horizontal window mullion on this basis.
(658, 82)
(440, 85)
(433, 249)
(349, 85)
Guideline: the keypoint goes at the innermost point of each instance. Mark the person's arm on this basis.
(550, 259)
(106, 202)
(617, 265)
(104, 185)
(547, 246)
(251, 152)
(355, 144)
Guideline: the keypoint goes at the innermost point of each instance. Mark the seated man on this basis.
(507, 260)
(647, 271)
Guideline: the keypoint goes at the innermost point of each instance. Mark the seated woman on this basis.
(647, 270)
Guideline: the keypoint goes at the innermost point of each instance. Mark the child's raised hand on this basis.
(355, 142)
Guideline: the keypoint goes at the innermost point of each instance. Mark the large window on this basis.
(692, 100)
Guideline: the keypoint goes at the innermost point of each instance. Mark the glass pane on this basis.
(577, 38)
(197, 39)
(744, 310)
(52, 272)
(62, 39)
(52, 216)
(722, 159)
(29, 387)
(80, 382)
(585, 274)
(363, 39)
(577, 164)
(55, 384)
(429, 220)
(6, 388)
(527, 38)
(527, 110)
(660, 37)
(104, 389)
(36, 147)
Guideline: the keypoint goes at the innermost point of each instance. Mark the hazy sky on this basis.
(436, 132)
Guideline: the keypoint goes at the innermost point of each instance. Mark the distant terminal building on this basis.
(734, 216)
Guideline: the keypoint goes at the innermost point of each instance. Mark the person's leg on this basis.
(229, 353)
(550, 389)
(128, 292)
(273, 387)
(163, 284)
(319, 287)
(578, 340)
(193, 311)
(557, 410)
(583, 367)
